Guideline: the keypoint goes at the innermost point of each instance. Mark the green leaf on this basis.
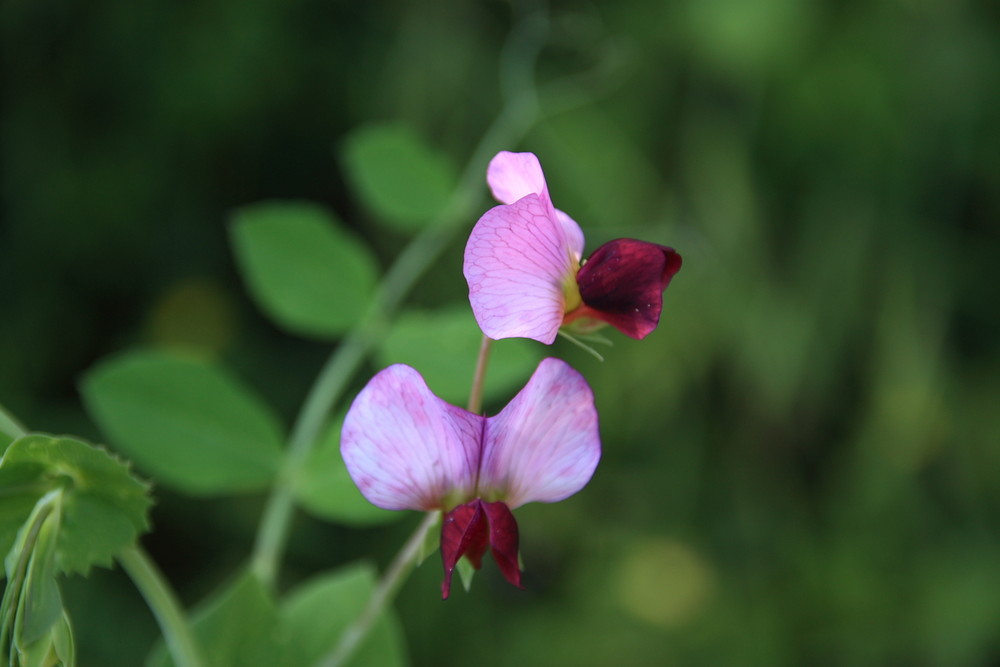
(397, 175)
(237, 627)
(309, 273)
(323, 487)
(316, 613)
(103, 506)
(189, 424)
(444, 344)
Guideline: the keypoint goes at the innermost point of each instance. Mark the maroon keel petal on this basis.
(504, 540)
(464, 532)
(622, 284)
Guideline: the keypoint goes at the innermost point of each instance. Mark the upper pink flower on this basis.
(405, 448)
(523, 265)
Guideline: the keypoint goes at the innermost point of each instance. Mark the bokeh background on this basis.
(801, 464)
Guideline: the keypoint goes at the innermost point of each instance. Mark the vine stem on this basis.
(351, 638)
(162, 601)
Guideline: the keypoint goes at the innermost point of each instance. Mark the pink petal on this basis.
(545, 445)
(407, 449)
(574, 235)
(512, 176)
(515, 175)
(516, 262)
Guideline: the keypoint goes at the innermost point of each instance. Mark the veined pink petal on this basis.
(545, 445)
(515, 175)
(512, 176)
(516, 262)
(405, 448)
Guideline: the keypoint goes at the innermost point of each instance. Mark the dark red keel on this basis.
(469, 529)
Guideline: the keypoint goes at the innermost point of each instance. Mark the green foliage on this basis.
(307, 271)
(101, 507)
(189, 424)
(323, 487)
(397, 175)
(443, 345)
(237, 627)
(319, 610)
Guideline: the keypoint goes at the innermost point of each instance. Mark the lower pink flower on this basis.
(405, 448)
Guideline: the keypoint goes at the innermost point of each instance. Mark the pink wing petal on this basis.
(516, 262)
(545, 445)
(515, 175)
(405, 448)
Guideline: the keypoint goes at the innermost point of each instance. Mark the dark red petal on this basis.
(622, 284)
(464, 532)
(504, 540)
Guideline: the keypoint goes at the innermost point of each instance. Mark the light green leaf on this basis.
(397, 175)
(237, 627)
(443, 345)
(316, 613)
(190, 425)
(103, 507)
(323, 487)
(309, 273)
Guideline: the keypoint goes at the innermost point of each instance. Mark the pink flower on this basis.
(406, 448)
(523, 265)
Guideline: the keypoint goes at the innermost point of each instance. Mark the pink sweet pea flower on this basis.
(526, 280)
(405, 448)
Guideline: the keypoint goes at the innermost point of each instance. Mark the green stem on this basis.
(165, 607)
(479, 378)
(352, 637)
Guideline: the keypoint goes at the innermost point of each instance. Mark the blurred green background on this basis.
(801, 464)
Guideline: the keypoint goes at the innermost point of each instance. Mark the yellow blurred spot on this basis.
(664, 583)
(195, 315)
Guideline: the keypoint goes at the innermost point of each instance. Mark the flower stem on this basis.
(163, 603)
(479, 379)
(351, 638)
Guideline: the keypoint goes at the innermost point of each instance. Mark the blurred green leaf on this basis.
(9, 428)
(237, 627)
(103, 507)
(190, 424)
(309, 273)
(397, 175)
(444, 344)
(324, 488)
(315, 614)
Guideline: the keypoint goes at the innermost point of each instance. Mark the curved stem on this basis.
(352, 637)
(9, 426)
(165, 607)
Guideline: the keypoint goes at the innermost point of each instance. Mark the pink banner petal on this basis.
(545, 445)
(516, 262)
(407, 449)
(512, 176)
